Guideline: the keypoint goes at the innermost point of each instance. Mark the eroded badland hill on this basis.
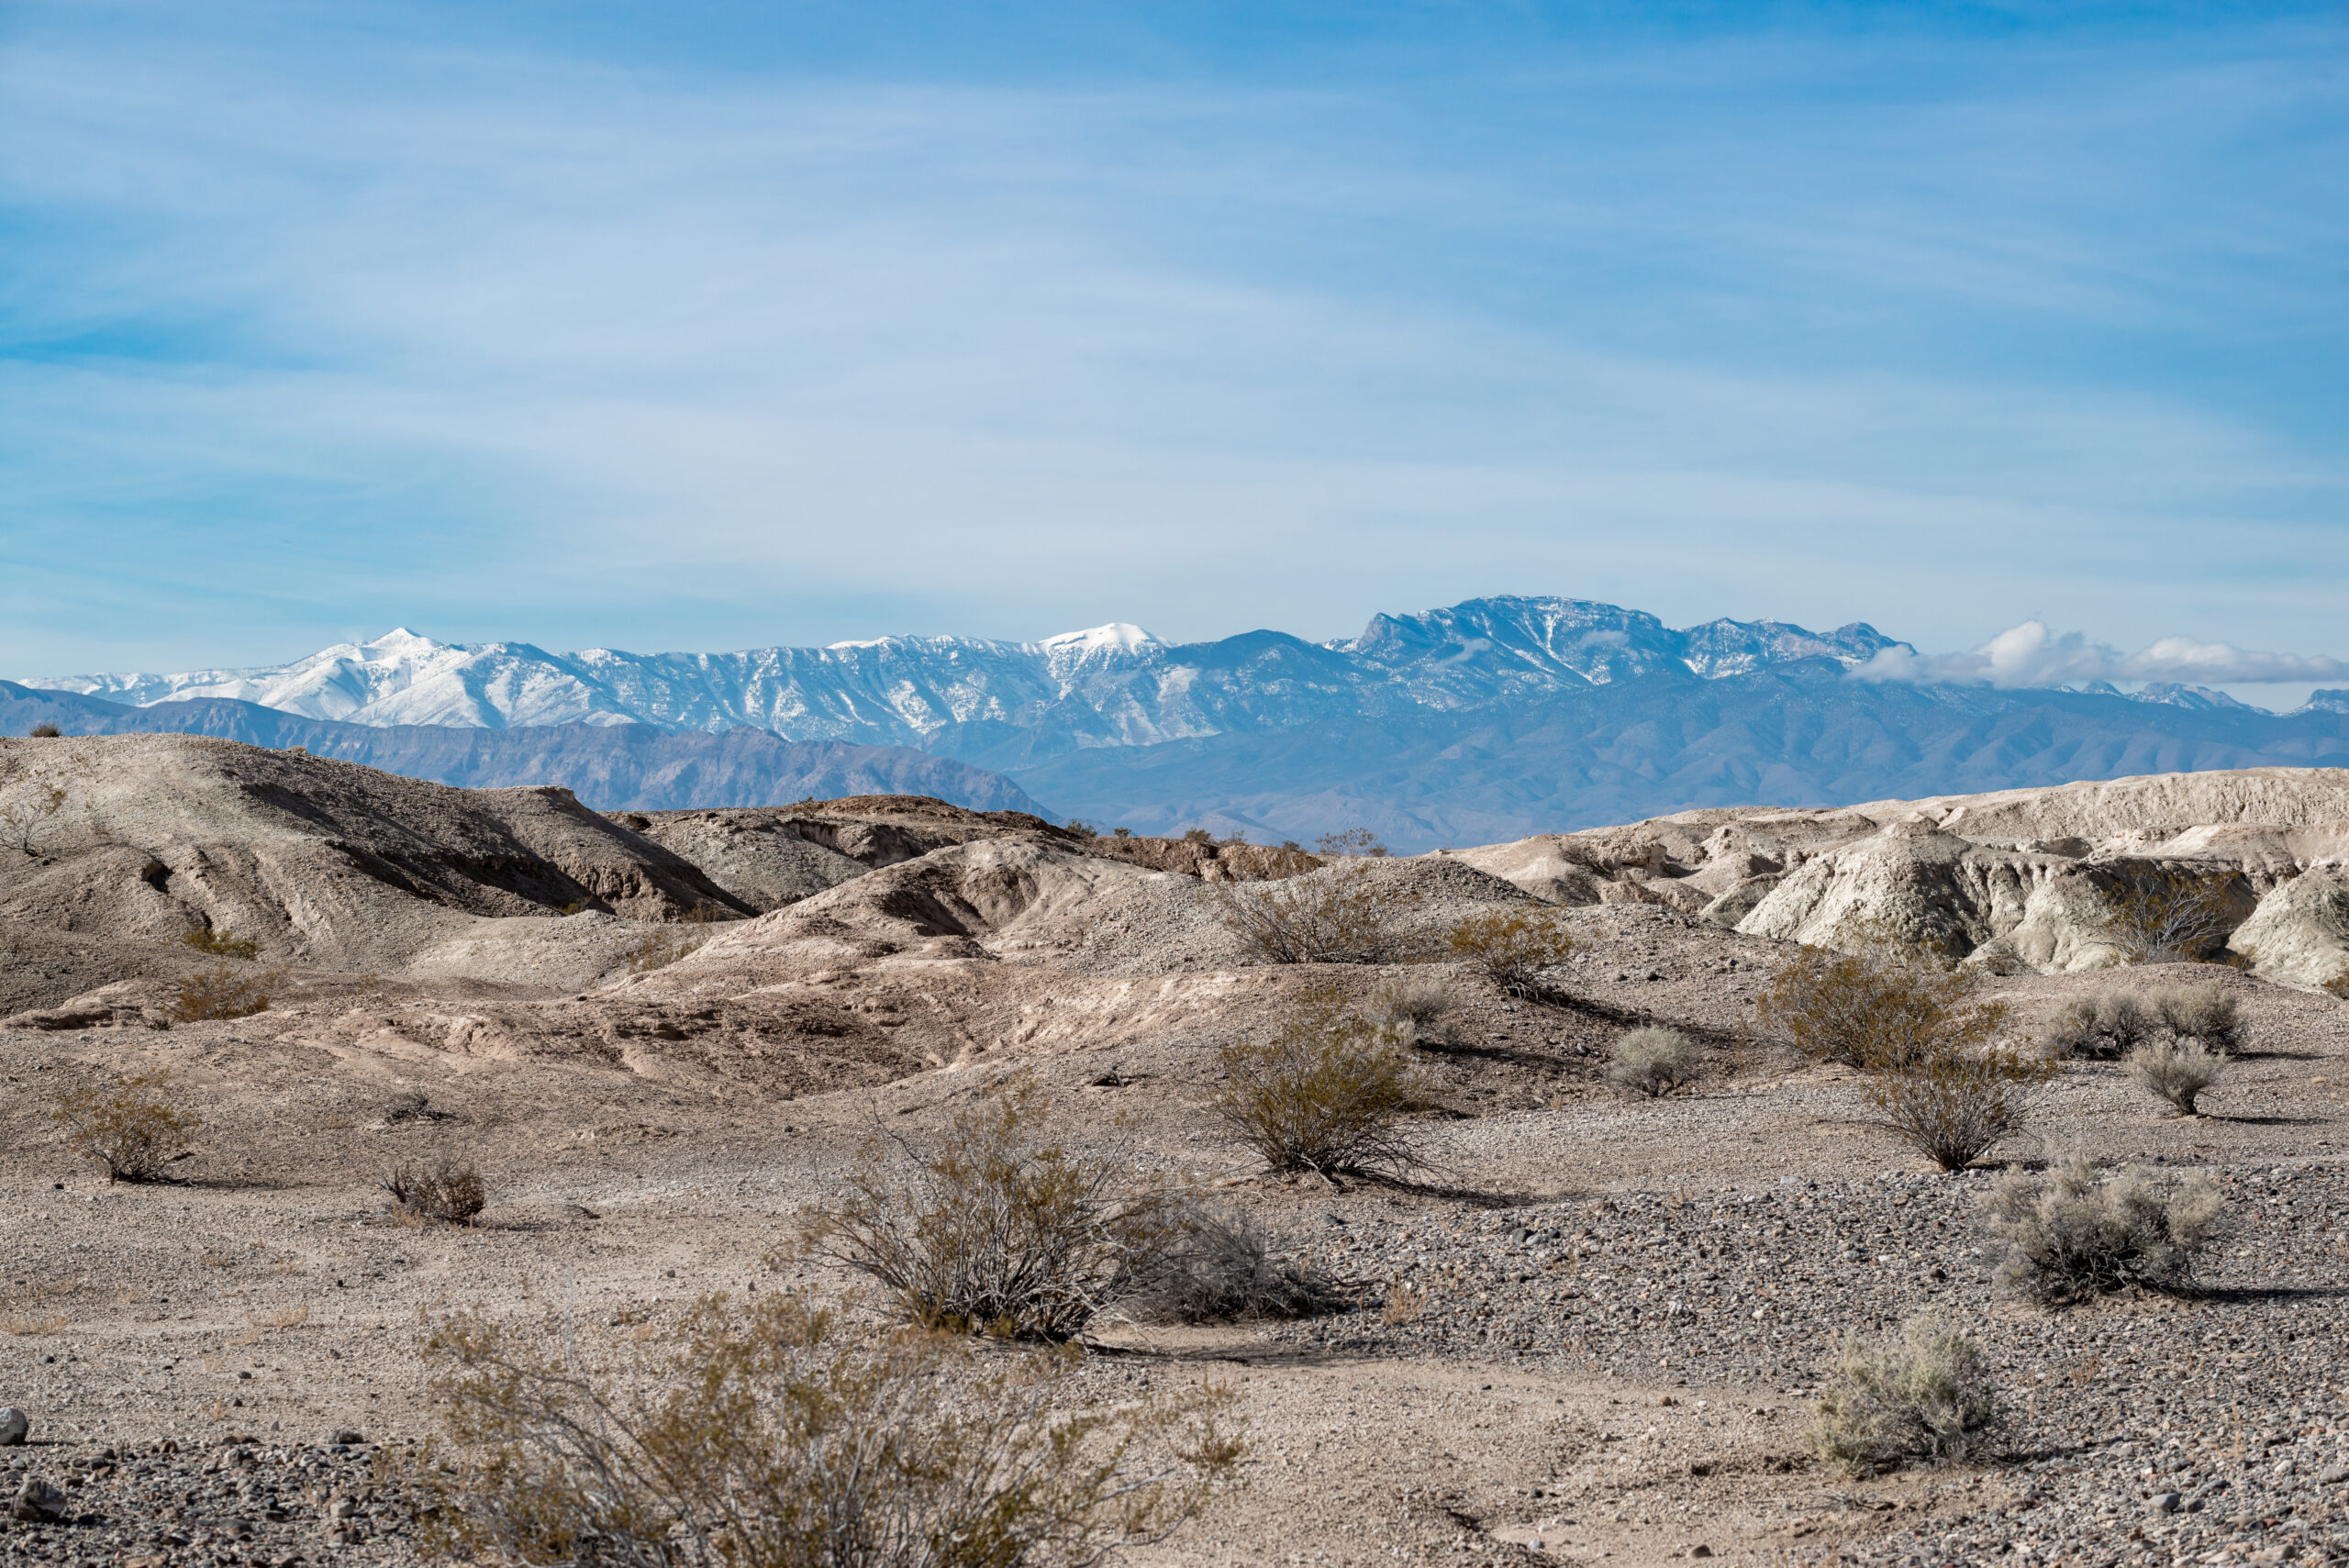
(1583, 1324)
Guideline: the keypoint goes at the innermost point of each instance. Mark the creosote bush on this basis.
(224, 993)
(44, 732)
(221, 944)
(783, 1434)
(1339, 914)
(1873, 1012)
(2105, 1027)
(1930, 1396)
(1512, 947)
(997, 1228)
(448, 1190)
(2072, 1236)
(2176, 1071)
(1953, 1105)
(1219, 1268)
(134, 1127)
(2166, 916)
(1326, 1092)
(1651, 1062)
(1420, 1011)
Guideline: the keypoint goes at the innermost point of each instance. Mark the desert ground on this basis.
(1587, 1327)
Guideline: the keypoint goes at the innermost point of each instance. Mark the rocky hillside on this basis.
(2251, 865)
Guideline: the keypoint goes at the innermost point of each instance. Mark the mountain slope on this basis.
(615, 767)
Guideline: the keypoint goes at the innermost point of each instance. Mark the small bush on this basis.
(1512, 948)
(2207, 1014)
(221, 944)
(1873, 1012)
(2171, 915)
(1418, 1011)
(43, 732)
(2339, 986)
(1326, 1093)
(134, 1129)
(2073, 1235)
(409, 1105)
(780, 1434)
(450, 1191)
(2104, 1027)
(1336, 915)
(1929, 1397)
(2175, 1070)
(1352, 843)
(1215, 1269)
(224, 993)
(1198, 836)
(1651, 1062)
(996, 1229)
(1955, 1104)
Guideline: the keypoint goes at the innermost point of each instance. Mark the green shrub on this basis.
(1512, 947)
(1931, 1397)
(2072, 1236)
(996, 1229)
(1327, 1091)
(1873, 1012)
(224, 993)
(134, 1126)
(221, 944)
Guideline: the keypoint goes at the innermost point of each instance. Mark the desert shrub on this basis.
(134, 1127)
(781, 1434)
(2104, 1027)
(659, 950)
(2339, 986)
(996, 1229)
(409, 1105)
(2207, 1014)
(1337, 914)
(1651, 1062)
(44, 732)
(1954, 1104)
(1930, 1396)
(1873, 1012)
(1418, 1011)
(224, 993)
(1080, 828)
(1512, 947)
(450, 1191)
(1325, 1092)
(1220, 1269)
(2157, 916)
(1198, 836)
(2073, 1235)
(2175, 1070)
(1352, 844)
(221, 944)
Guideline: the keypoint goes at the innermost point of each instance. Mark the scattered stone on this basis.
(15, 1425)
(37, 1503)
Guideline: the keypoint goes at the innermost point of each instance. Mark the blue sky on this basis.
(712, 325)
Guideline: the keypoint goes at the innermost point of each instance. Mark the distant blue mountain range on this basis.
(1487, 720)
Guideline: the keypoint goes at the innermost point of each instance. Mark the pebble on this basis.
(14, 1427)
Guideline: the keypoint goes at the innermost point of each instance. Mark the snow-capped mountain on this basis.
(1111, 686)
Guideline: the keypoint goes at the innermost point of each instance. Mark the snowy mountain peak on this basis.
(1116, 637)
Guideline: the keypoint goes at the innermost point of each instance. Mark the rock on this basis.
(14, 1425)
(2163, 1503)
(37, 1503)
(2332, 1475)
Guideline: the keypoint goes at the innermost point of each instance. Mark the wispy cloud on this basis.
(315, 326)
(2034, 654)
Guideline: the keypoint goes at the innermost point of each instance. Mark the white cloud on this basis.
(2036, 654)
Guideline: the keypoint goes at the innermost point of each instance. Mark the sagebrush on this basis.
(449, 1190)
(1327, 1091)
(1928, 1397)
(2103, 1027)
(1218, 1268)
(784, 1434)
(996, 1228)
(2176, 1071)
(134, 1126)
(2073, 1234)
(2206, 1014)
(1653, 1062)
(1420, 1011)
